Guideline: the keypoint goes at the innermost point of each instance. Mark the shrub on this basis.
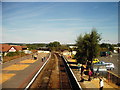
(11, 54)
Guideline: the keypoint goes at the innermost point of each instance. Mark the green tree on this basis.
(94, 44)
(88, 46)
(64, 47)
(80, 55)
(111, 48)
(35, 46)
(54, 46)
(108, 46)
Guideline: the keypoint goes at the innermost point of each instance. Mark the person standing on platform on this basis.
(42, 59)
(90, 74)
(101, 83)
(78, 66)
(82, 72)
(35, 57)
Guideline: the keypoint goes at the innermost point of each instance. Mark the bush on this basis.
(11, 54)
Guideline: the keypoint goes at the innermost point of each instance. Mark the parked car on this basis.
(109, 66)
(106, 53)
(95, 60)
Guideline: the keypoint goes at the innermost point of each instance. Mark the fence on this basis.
(113, 78)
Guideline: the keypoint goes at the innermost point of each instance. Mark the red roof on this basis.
(6, 47)
(18, 48)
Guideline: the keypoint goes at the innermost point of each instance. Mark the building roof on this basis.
(18, 48)
(6, 47)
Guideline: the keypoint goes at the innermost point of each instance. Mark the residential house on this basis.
(5, 48)
(43, 50)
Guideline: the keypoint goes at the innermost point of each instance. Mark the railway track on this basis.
(63, 75)
(54, 75)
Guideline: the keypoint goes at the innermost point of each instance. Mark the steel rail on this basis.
(35, 76)
(65, 72)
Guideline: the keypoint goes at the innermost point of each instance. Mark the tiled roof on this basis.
(6, 47)
(18, 48)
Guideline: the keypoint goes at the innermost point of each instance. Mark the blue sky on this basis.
(58, 21)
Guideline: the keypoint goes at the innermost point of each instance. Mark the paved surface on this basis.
(94, 83)
(115, 59)
(17, 73)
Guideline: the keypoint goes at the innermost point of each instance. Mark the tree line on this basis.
(88, 46)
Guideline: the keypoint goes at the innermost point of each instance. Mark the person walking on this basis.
(82, 71)
(42, 59)
(78, 66)
(35, 57)
(90, 74)
(101, 83)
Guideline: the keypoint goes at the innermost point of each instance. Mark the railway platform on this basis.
(18, 73)
(94, 83)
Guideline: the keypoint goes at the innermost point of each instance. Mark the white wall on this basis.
(12, 49)
(74, 52)
(40, 51)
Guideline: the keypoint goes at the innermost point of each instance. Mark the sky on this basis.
(44, 22)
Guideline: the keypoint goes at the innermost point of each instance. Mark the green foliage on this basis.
(108, 46)
(111, 48)
(118, 44)
(64, 47)
(88, 46)
(104, 45)
(54, 46)
(11, 54)
(35, 46)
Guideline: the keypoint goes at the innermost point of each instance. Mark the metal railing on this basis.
(113, 78)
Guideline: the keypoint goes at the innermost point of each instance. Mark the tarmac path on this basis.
(115, 59)
(17, 73)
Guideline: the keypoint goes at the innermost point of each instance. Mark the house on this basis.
(43, 50)
(66, 52)
(72, 47)
(117, 50)
(5, 48)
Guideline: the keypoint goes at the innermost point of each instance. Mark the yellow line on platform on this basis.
(72, 60)
(28, 61)
(16, 67)
(5, 77)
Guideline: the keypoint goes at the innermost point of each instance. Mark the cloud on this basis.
(25, 11)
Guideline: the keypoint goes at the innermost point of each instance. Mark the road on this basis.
(115, 59)
(17, 73)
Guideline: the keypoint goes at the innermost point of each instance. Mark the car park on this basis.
(109, 66)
